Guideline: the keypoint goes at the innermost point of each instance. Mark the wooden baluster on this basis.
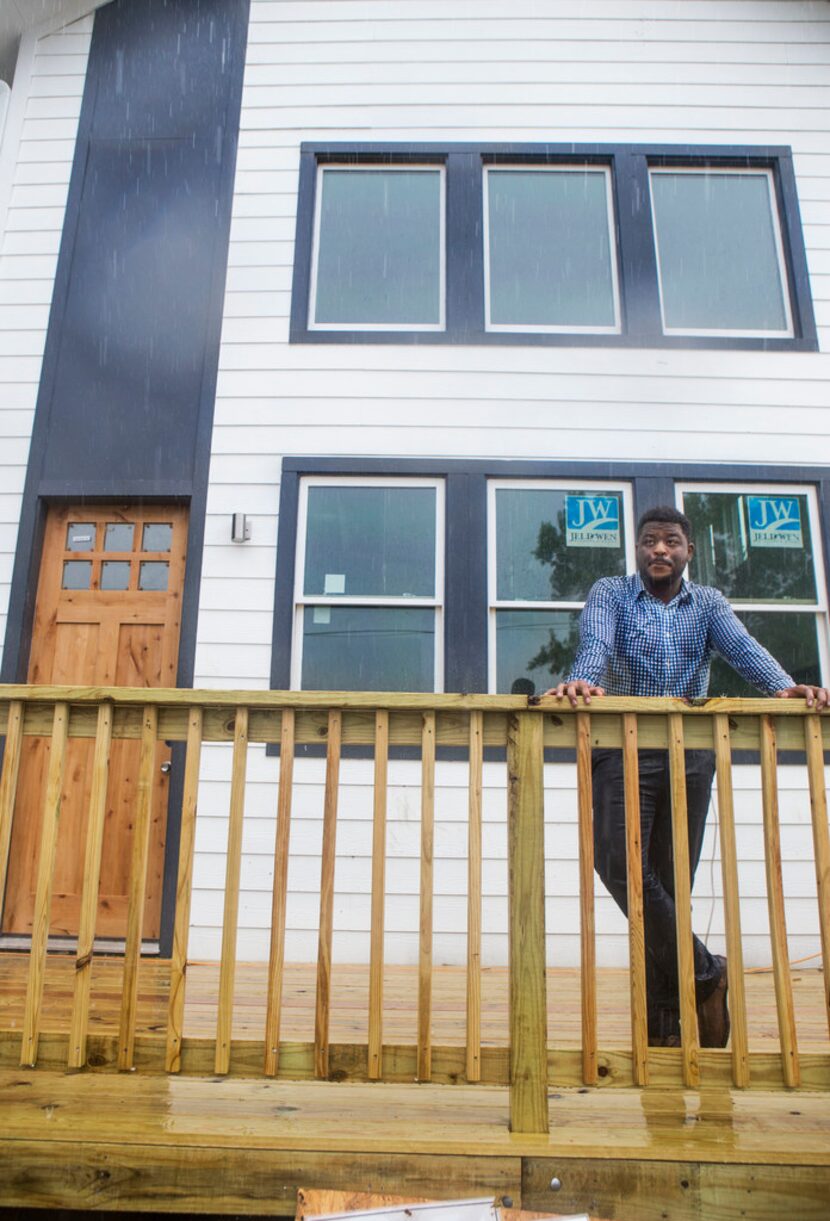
(636, 927)
(89, 898)
(683, 904)
(43, 891)
(587, 934)
(138, 885)
(731, 900)
(425, 935)
(276, 957)
(8, 784)
(821, 839)
(321, 1019)
(474, 898)
(184, 888)
(230, 916)
(775, 901)
(378, 897)
(526, 923)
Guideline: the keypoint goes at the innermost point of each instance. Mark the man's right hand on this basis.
(574, 689)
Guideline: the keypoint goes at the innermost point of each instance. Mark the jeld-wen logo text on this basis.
(592, 521)
(774, 521)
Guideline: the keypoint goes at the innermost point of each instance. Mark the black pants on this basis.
(658, 866)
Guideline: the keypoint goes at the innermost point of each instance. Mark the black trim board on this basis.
(125, 404)
(637, 260)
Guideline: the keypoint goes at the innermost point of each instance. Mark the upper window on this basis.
(552, 542)
(369, 585)
(617, 245)
(378, 248)
(760, 546)
(719, 253)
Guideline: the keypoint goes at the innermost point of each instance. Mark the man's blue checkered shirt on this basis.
(634, 644)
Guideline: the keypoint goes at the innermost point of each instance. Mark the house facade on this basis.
(341, 345)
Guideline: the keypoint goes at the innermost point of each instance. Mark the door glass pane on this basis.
(792, 640)
(370, 542)
(753, 547)
(115, 574)
(553, 544)
(77, 574)
(550, 248)
(534, 649)
(379, 248)
(368, 648)
(118, 536)
(718, 252)
(157, 536)
(80, 536)
(152, 575)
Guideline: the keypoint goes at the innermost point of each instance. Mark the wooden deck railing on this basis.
(427, 722)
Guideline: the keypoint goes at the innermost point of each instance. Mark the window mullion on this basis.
(637, 256)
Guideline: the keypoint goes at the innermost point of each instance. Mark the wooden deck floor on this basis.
(349, 1007)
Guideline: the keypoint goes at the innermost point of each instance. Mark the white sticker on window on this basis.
(592, 521)
(322, 614)
(774, 521)
(335, 583)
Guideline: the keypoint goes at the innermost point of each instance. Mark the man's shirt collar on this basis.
(639, 590)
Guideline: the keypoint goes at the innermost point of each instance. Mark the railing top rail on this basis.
(185, 697)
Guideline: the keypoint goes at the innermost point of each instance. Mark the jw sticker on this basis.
(774, 521)
(592, 521)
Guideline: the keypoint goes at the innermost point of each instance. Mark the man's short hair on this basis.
(665, 513)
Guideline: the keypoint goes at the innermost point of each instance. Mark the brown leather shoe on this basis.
(669, 1040)
(713, 1013)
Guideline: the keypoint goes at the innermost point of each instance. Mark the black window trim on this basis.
(640, 304)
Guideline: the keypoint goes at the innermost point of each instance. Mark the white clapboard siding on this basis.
(740, 72)
(35, 163)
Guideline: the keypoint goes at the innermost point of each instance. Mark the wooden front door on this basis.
(107, 614)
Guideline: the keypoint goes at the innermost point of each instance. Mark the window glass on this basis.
(157, 536)
(368, 648)
(80, 536)
(534, 649)
(793, 641)
(754, 547)
(77, 574)
(370, 542)
(115, 574)
(718, 248)
(152, 575)
(551, 256)
(118, 536)
(379, 248)
(553, 544)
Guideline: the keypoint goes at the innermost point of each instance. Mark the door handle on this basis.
(166, 768)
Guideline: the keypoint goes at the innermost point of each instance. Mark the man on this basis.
(649, 634)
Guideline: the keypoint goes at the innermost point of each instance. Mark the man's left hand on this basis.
(818, 696)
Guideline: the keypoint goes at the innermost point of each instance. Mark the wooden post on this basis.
(587, 933)
(230, 914)
(8, 784)
(474, 897)
(138, 885)
(636, 926)
(89, 898)
(821, 840)
(775, 902)
(43, 892)
(683, 904)
(184, 889)
(276, 956)
(731, 901)
(425, 935)
(325, 932)
(526, 874)
(378, 897)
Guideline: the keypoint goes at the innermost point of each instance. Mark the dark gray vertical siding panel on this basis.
(125, 405)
